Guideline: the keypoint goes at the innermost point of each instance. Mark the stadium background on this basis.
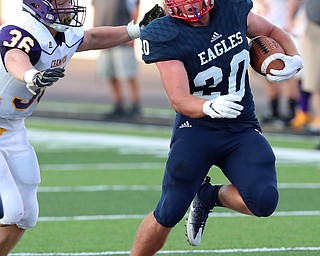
(83, 86)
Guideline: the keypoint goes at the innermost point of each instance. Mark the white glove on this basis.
(223, 107)
(44, 78)
(134, 29)
(292, 65)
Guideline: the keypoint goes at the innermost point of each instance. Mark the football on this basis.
(261, 47)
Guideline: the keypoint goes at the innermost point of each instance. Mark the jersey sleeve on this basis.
(250, 4)
(158, 41)
(16, 37)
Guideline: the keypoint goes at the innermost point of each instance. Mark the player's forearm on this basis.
(183, 102)
(17, 63)
(259, 26)
(104, 37)
(285, 40)
(175, 82)
(190, 106)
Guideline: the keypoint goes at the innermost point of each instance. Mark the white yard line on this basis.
(97, 188)
(101, 166)
(142, 216)
(126, 144)
(167, 252)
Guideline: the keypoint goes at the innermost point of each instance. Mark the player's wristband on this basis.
(133, 30)
(29, 75)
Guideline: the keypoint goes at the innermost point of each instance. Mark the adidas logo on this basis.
(215, 37)
(185, 125)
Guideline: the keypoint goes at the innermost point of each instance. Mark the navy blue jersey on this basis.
(216, 57)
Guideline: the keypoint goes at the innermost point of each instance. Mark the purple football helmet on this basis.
(49, 13)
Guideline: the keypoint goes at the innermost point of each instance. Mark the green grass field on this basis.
(99, 180)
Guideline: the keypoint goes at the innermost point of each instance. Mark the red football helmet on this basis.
(188, 10)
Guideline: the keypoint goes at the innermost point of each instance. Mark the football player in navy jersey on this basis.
(202, 53)
(35, 47)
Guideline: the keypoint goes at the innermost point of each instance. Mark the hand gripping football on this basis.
(261, 47)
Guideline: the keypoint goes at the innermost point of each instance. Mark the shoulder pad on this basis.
(161, 30)
(74, 35)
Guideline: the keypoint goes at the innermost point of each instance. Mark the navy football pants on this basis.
(245, 158)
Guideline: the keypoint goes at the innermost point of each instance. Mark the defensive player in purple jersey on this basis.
(36, 45)
(202, 53)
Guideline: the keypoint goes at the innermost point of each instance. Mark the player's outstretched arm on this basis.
(107, 36)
